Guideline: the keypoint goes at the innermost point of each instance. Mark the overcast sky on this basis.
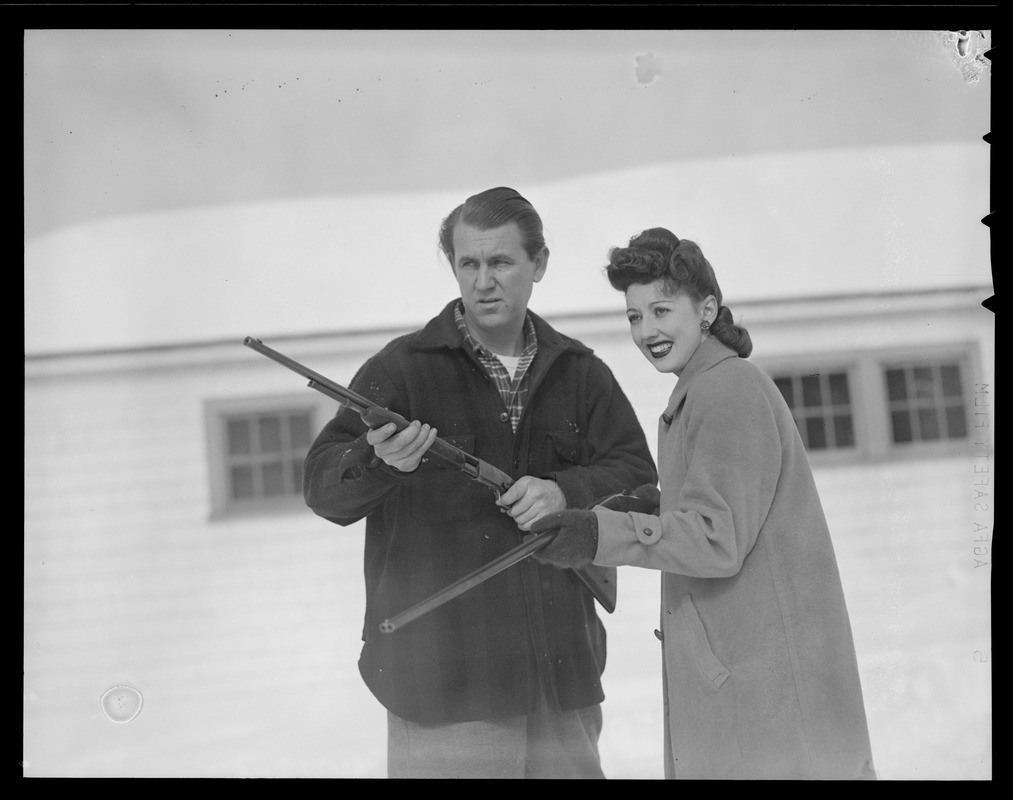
(125, 121)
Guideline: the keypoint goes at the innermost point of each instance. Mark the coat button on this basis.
(648, 535)
(657, 633)
(504, 417)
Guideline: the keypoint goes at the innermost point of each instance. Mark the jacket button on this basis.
(648, 532)
(504, 417)
(658, 634)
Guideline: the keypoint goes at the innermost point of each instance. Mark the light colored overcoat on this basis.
(760, 675)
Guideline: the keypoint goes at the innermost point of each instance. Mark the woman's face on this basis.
(664, 326)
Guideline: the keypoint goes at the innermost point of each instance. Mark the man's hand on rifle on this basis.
(404, 450)
(529, 499)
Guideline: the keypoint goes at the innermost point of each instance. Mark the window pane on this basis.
(785, 387)
(242, 482)
(816, 433)
(269, 429)
(922, 415)
(811, 396)
(821, 407)
(895, 388)
(956, 422)
(924, 384)
(274, 481)
(264, 454)
(844, 433)
(839, 394)
(928, 424)
(901, 426)
(238, 435)
(951, 381)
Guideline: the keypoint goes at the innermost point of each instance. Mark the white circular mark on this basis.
(121, 703)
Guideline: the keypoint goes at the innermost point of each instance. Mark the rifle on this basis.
(376, 417)
(617, 502)
(599, 580)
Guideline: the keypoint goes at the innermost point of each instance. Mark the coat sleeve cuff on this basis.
(647, 527)
(623, 535)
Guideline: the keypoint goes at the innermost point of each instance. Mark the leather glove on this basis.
(576, 539)
(650, 493)
(644, 499)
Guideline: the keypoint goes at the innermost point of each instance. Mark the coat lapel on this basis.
(709, 353)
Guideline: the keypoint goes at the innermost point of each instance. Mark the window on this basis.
(821, 406)
(256, 450)
(265, 452)
(926, 402)
(879, 404)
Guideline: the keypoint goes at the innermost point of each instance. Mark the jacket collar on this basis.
(709, 353)
(442, 332)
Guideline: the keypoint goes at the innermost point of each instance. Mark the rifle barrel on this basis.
(317, 381)
(459, 587)
(375, 416)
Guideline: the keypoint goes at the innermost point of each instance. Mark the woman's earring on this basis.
(705, 326)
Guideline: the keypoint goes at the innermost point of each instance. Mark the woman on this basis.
(760, 675)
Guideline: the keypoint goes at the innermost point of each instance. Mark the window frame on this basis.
(217, 414)
(930, 356)
(850, 365)
(866, 371)
(824, 411)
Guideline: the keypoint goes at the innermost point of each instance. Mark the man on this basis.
(505, 680)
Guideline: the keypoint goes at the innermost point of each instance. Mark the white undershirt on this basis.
(510, 362)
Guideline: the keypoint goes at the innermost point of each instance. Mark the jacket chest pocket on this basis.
(442, 493)
(567, 449)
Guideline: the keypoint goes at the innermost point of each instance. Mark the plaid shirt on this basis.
(513, 390)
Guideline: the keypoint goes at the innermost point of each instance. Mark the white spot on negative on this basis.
(121, 703)
(648, 67)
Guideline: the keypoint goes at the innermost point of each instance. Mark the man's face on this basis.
(496, 277)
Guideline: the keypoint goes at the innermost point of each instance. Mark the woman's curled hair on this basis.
(657, 254)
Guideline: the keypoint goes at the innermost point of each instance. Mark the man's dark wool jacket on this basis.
(489, 652)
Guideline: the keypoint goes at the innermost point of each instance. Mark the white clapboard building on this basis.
(169, 557)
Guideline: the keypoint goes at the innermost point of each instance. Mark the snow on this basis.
(846, 221)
